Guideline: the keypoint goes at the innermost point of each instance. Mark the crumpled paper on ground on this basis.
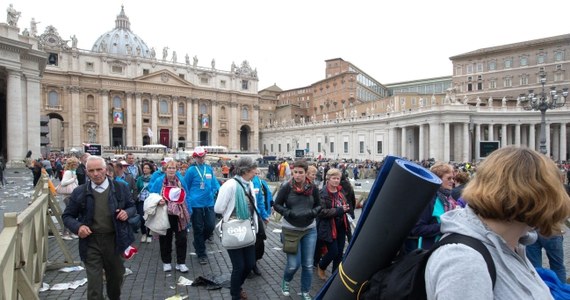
(71, 269)
(69, 285)
(184, 281)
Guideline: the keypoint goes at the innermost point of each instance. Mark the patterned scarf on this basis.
(180, 208)
(445, 197)
(305, 188)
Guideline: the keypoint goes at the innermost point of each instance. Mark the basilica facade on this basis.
(119, 93)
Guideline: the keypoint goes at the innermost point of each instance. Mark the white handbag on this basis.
(237, 233)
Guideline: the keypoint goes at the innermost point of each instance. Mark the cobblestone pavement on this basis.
(148, 281)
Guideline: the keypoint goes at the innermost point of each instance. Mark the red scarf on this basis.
(306, 188)
(333, 197)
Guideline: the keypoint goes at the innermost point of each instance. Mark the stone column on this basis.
(174, 122)
(532, 136)
(421, 141)
(563, 142)
(504, 135)
(75, 108)
(403, 142)
(466, 142)
(490, 132)
(446, 142)
(518, 134)
(434, 141)
(233, 127)
(189, 114)
(14, 117)
(154, 119)
(129, 116)
(555, 143)
(391, 141)
(477, 140)
(214, 123)
(33, 111)
(195, 123)
(138, 120)
(255, 138)
(104, 128)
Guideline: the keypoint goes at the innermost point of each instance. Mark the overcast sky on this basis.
(288, 41)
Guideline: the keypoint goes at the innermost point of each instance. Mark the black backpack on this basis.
(404, 278)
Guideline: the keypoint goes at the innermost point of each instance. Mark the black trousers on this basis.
(101, 256)
(166, 242)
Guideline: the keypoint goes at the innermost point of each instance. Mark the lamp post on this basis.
(543, 102)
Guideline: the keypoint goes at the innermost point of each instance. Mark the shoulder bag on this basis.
(237, 233)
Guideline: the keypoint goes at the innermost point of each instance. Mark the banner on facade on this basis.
(118, 116)
(205, 120)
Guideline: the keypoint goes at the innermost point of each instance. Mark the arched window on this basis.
(181, 109)
(145, 107)
(163, 107)
(90, 102)
(53, 98)
(244, 113)
(203, 109)
(223, 112)
(117, 102)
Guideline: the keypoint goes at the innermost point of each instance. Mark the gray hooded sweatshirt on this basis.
(457, 271)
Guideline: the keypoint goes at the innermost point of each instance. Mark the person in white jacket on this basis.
(68, 184)
(235, 200)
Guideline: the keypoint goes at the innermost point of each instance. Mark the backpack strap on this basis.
(457, 238)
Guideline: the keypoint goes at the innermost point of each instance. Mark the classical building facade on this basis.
(21, 68)
(119, 93)
(442, 118)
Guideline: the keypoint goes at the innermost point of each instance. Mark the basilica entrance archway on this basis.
(204, 138)
(165, 137)
(117, 136)
(244, 134)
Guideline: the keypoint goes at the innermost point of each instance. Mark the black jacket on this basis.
(326, 215)
(81, 209)
(298, 209)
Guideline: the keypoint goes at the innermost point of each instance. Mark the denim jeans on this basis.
(243, 260)
(203, 222)
(304, 258)
(554, 247)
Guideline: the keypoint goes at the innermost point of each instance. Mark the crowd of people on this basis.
(316, 205)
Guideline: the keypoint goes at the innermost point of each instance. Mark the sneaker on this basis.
(149, 239)
(203, 260)
(182, 268)
(166, 267)
(67, 237)
(143, 238)
(306, 296)
(285, 288)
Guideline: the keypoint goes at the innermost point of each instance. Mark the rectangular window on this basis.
(117, 69)
(508, 82)
(479, 86)
(345, 147)
(288, 147)
(204, 80)
(469, 69)
(559, 56)
(271, 146)
(222, 83)
(508, 63)
(89, 66)
(479, 67)
(541, 58)
(379, 147)
(244, 84)
(493, 84)
(492, 66)
(469, 87)
(332, 147)
(53, 59)
(279, 146)
(458, 71)
(361, 147)
(180, 123)
(524, 80)
(307, 146)
(181, 75)
(146, 71)
(319, 147)
(524, 61)
(146, 121)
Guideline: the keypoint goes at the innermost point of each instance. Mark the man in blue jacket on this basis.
(98, 212)
(203, 186)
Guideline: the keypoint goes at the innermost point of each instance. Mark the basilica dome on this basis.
(121, 40)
